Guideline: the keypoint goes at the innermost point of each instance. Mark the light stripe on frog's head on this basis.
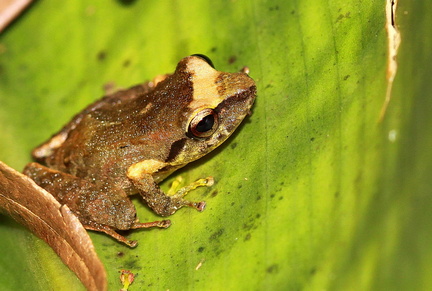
(220, 101)
(203, 76)
(211, 88)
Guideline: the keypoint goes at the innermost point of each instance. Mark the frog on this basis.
(129, 141)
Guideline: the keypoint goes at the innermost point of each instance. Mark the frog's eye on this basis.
(205, 58)
(204, 123)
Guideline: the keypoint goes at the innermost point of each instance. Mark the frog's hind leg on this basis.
(111, 232)
(102, 209)
(132, 243)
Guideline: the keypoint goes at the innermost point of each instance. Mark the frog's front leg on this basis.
(141, 176)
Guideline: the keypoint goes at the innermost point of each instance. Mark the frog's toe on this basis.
(200, 206)
(131, 243)
(165, 223)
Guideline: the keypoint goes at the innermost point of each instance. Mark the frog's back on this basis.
(115, 132)
(46, 149)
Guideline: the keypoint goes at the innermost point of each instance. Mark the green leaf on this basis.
(312, 192)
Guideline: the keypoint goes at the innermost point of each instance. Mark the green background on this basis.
(311, 193)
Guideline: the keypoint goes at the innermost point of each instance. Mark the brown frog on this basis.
(128, 142)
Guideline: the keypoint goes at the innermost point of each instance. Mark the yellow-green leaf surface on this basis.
(311, 192)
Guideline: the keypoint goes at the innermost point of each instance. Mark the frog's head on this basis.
(218, 103)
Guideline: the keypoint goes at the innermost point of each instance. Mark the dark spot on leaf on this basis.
(126, 63)
(346, 77)
(101, 55)
(132, 264)
(216, 235)
(273, 269)
(232, 203)
(232, 59)
(120, 254)
(281, 197)
(201, 249)
(247, 237)
(342, 16)
(312, 139)
(249, 226)
(214, 193)
(233, 145)
(258, 215)
(258, 198)
(272, 196)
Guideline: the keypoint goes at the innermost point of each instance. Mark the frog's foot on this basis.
(161, 224)
(179, 194)
(109, 231)
(132, 243)
(173, 192)
(160, 202)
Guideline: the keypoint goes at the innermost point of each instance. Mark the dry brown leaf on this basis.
(10, 9)
(35, 208)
